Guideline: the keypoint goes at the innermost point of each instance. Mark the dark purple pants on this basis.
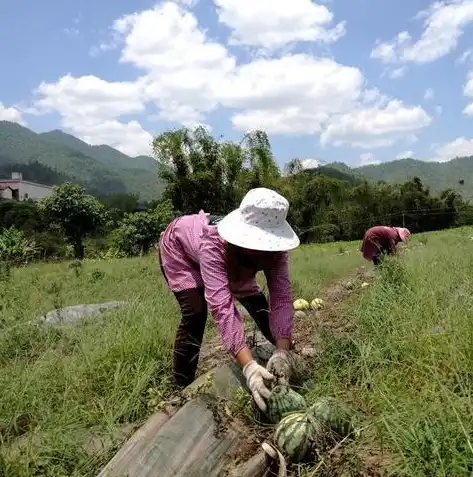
(190, 331)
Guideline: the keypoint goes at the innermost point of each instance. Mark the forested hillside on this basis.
(456, 174)
(104, 170)
(101, 169)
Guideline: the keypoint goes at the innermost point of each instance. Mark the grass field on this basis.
(64, 388)
(406, 367)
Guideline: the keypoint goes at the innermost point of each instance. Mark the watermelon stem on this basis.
(275, 454)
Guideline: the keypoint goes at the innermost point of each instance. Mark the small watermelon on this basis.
(317, 304)
(284, 400)
(299, 315)
(333, 416)
(301, 304)
(295, 433)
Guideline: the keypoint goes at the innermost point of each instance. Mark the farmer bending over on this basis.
(381, 240)
(207, 263)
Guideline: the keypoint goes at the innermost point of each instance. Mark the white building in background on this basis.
(18, 189)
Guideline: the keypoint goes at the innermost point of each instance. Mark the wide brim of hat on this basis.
(234, 230)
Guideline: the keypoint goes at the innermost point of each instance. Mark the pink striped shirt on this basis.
(193, 256)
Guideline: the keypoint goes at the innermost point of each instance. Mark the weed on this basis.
(97, 275)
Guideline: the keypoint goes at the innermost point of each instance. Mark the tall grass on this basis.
(408, 368)
(63, 387)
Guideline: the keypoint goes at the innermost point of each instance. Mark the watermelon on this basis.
(333, 416)
(295, 433)
(317, 304)
(299, 315)
(284, 400)
(301, 304)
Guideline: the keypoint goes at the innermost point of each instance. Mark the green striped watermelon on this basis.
(295, 433)
(283, 400)
(333, 415)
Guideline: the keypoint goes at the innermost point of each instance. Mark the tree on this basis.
(76, 213)
(202, 172)
(261, 168)
(138, 232)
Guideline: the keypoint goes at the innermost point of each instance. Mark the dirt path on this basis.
(337, 296)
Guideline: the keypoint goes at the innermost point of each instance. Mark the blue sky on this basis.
(357, 81)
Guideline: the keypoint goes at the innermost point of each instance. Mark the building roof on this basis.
(18, 181)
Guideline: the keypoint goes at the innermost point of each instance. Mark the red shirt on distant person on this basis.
(382, 238)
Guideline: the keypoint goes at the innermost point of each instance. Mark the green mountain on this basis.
(55, 157)
(101, 169)
(105, 154)
(337, 171)
(437, 175)
(456, 174)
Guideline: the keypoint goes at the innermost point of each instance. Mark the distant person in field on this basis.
(382, 240)
(210, 263)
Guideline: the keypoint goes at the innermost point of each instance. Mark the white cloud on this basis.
(181, 72)
(444, 22)
(311, 163)
(320, 96)
(183, 68)
(295, 94)
(273, 23)
(185, 75)
(460, 147)
(89, 97)
(388, 51)
(464, 57)
(129, 138)
(428, 94)
(11, 114)
(398, 72)
(405, 154)
(368, 159)
(375, 127)
(374, 98)
(89, 107)
(468, 92)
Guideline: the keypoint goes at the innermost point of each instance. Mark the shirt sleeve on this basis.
(218, 295)
(280, 296)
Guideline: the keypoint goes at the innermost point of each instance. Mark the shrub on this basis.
(15, 248)
(138, 231)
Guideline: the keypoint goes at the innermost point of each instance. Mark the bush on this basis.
(138, 231)
(15, 248)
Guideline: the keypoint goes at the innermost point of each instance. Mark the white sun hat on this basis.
(260, 223)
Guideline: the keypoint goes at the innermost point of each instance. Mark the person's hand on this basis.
(281, 366)
(255, 376)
